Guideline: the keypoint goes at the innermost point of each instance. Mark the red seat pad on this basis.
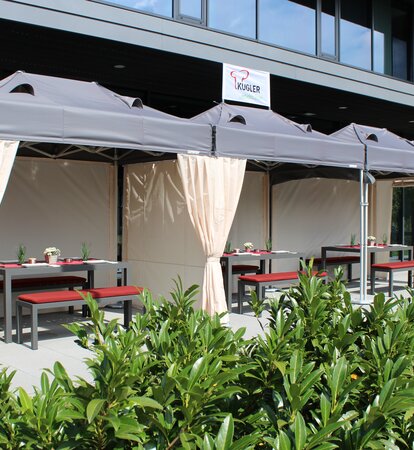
(279, 276)
(244, 267)
(336, 260)
(395, 265)
(46, 281)
(63, 296)
(51, 297)
(116, 291)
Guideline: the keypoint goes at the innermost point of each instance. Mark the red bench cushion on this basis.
(244, 268)
(336, 260)
(395, 265)
(46, 281)
(279, 276)
(63, 296)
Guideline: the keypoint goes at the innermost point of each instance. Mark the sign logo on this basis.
(246, 85)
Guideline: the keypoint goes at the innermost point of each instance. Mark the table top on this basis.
(60, 266)
(261, 254)
(370, 248)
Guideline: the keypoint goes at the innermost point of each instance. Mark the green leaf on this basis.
(300, 432)
(325, 409)
(225, 434)
(296, 362)
(93, 409)
(386, 392)
(284, 441)
(25, 400)
(145, 402)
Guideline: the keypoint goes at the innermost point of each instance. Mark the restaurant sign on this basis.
(246, 85)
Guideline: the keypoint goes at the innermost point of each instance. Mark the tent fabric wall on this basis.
(308, 214)
(381, 213)
(212, 190)
(159, 240)
(62, 204)
(8, 151)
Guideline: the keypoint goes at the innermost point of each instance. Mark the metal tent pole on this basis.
(363, 234)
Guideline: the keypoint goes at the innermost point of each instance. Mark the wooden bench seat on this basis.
(266, 279)
(52, 299)
(390, 268)
(337, 261)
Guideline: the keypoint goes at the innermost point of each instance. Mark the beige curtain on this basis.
(212, 189)
(8, 151)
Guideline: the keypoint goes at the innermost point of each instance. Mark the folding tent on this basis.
(384, 152)
(263, 135)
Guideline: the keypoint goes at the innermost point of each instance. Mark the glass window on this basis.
(382, 36)
(400, 40)
(328, 23)
(161, 7)
(355, 33)
(191, 8)
(234, 16)
(288, 23)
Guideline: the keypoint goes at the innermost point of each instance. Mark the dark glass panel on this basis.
(355, 33)
(161, 7)
(234, 16)
(400, 43)
(328, 27)
(290, 24)
(382, 36)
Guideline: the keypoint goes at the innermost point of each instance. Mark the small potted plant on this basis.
(227, 248)
(371, 240)
(353, 240)
(385, 239)
(85, 251)
(21, 254)
(248, 246)
(51, 255)
(268, 245)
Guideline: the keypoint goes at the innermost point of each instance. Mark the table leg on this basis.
(91, 279)
(8, 309)
(125, 276)
(323, 257)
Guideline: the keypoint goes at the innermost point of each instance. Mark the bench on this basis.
(41, 283)
(390, 268)
(337, 261)
(47, 300)
(266, 279)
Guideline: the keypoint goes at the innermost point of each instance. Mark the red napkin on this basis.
(10, 266)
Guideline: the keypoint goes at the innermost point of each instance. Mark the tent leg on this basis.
(363, 237)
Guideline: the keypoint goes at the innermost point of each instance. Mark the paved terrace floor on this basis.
(58, 344)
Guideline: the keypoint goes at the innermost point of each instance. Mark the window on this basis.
(355, 33)
(234, 16)
(191, 9)
(288, 23)
(328, 28)
(400, 42)
(161, 7)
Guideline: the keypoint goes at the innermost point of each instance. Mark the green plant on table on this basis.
(21, 253)
(85, 251)
(384, 238)
(268, 245)
(353, 239)
(227, 248)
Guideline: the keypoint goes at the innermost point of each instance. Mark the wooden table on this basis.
(372, 250)
(230, 259)
(9, 272)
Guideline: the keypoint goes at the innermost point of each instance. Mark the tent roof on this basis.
(386, 151)
(40, 108)
(264, 135)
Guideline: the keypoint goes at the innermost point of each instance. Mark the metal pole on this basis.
(362, 239)
(366, 203)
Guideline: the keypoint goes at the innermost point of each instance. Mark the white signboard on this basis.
(246, 85)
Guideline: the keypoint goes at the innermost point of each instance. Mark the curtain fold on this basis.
(212, 189)
(8, 150)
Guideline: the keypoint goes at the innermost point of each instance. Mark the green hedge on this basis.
(323, 375)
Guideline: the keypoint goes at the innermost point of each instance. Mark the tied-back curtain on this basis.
(212, 189)
(8, 151)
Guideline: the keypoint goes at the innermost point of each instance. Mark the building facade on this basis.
(331, 62)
